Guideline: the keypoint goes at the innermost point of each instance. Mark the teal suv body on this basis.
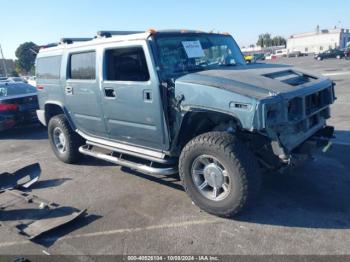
(184, 102)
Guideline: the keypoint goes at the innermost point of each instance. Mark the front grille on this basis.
(306, 111)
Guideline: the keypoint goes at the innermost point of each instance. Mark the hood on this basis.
(256, 80)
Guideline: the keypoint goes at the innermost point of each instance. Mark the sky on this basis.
(47, 21)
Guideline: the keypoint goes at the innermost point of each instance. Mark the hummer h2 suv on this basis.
(178, 101)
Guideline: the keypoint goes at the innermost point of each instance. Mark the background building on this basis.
(319, 40)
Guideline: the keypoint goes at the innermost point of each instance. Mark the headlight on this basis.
(273, 113)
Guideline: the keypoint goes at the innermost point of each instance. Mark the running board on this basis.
(86, 150)
(123, 148)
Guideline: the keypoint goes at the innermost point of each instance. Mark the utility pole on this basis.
(3, 61)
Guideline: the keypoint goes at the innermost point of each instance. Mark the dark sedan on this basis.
(18, 104)
(331, 53)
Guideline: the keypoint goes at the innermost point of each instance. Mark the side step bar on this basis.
(86, 150)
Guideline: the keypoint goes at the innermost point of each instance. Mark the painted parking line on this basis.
(337, 73)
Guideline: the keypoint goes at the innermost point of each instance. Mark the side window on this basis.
(82, 66)
(126, 64)
(48, 67)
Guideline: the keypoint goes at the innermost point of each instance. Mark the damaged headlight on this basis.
(273, 113)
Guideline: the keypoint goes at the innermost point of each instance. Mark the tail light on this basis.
(8, 107)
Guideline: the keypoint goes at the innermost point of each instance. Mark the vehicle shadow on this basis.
(314, 196)
(25, 132)
(49, 238)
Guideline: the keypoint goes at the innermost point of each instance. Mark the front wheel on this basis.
(219, 173)
(63, 140)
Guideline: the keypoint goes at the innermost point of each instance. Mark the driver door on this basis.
(131, 97)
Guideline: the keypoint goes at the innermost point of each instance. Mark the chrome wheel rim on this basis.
(59, 140)
(211, 178)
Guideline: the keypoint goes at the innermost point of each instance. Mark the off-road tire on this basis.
(73, 140)
(238, 159)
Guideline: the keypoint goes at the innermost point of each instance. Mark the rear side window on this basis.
(126, 64)
(83, 66)
(48, 67)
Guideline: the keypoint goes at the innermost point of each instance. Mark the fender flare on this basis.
(64, 110)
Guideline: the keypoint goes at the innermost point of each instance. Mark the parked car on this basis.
(296, 54)
(163, 102)
(270, 56)
(252, 58)
(249, 58)
(18, 104)
(281, 52)
(276, 54)
(32, 80)
(259, 56)
(17, 79)
(3, 79)
(331, 53)
(347, 53)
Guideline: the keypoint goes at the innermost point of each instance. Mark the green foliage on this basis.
(26, 54)
(265, 40)
(14, 73)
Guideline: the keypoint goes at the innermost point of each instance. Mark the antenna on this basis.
(3, 61)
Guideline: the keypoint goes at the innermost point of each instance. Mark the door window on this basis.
(126, 64)
(83, 66)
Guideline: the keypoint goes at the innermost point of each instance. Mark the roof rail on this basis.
(111, 33)
(72, 40)
(49, 45)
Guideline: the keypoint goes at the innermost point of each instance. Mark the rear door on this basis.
(82, 93)
(131, 97)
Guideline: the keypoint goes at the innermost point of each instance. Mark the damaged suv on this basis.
(163, 102)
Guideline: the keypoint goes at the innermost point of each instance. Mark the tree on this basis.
(26, 54)
(265, 40)
(278, 40)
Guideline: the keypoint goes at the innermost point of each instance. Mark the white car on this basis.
(32, 81)
(281, 52)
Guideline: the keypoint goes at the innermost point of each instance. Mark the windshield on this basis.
(13, 89)
(182, 54)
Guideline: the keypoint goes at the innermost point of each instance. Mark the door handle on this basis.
(110, 92)
(147, 95)
(69, 90)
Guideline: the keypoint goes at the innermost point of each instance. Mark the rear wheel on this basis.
(63, 140)
(219, 173)
(338, 57)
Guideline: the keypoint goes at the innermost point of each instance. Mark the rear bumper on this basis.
(11, 120)
(7, 124)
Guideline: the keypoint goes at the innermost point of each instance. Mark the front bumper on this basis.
(319, 142)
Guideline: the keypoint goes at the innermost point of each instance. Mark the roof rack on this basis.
(72, 40)
(111, 33)
(49, 45)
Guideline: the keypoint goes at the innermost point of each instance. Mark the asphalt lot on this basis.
(305, 211)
